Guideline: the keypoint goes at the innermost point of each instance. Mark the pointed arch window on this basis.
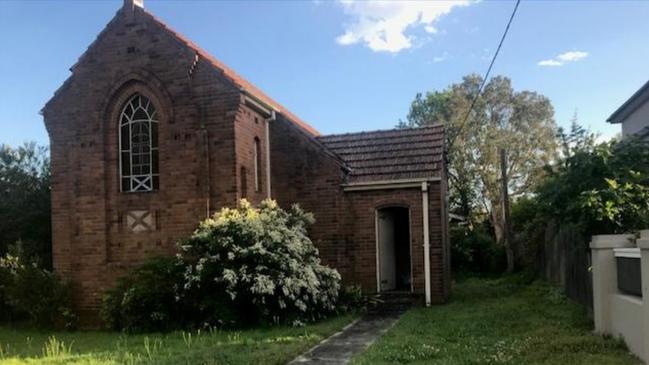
(138, 141)
(257, 158)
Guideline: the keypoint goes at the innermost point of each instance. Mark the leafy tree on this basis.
(602, 188)
(575, 139)
(521, 122)
(25, 200)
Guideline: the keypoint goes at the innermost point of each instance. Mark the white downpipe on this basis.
(378, 261)
(424, 203)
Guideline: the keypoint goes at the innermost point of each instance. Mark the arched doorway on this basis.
(394, 266)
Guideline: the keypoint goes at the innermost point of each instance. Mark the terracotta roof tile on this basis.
(390, 154)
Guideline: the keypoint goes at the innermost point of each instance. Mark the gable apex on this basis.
(131, 4)
(133, 11)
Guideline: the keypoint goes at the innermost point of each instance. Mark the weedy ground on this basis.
(275, 345)
(497, 321)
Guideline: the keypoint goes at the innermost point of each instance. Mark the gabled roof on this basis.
(395, 154)
(636, 100)
(244, 85)
(239, 81)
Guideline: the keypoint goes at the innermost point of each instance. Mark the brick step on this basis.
(395, 303)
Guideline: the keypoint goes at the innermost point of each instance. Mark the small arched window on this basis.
(138, 141)
(257, 158)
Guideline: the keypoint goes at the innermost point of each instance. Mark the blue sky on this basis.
(346, 66)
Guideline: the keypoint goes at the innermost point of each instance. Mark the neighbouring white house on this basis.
(620, 267)
(634, 114)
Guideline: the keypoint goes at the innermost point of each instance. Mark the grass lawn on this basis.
(259, 346)
(496, 321)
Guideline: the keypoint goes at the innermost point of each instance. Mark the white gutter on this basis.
(388, 184)
(424, 203)
(268, 120)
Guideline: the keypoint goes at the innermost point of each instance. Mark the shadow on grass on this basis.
(272, 345)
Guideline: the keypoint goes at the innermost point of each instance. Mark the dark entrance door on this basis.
(394, 249)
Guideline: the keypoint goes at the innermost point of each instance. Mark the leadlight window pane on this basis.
(126, 136)
(154, 135)
(154, 161)
(126, 164)
(140, 115)
(138, 135)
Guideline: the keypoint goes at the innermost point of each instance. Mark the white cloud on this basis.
(430, 29)
(550, 63)
(440, 58)
(382, 25)
(572, 56)
(562, 59)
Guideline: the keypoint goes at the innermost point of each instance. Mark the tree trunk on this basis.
(496, 221)
(509, 251)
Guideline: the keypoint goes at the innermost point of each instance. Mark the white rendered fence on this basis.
(622, 312)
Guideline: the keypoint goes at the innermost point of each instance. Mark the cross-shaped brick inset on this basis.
(140, 221)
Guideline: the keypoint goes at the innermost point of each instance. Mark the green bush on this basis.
(6, 312)
(263, 260)
(475, 251)
(528, 229)
(147, 299)
(241, 267)
(25, 213)
(34, 294)
(602, 188)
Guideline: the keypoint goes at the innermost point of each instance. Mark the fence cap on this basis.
(631, 253)
(643, 243)
(612, 241)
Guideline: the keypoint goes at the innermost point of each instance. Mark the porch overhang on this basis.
(388, 184)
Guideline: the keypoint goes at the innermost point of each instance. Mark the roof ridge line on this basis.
(433, 126)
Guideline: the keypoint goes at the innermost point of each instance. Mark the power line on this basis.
(491, 65)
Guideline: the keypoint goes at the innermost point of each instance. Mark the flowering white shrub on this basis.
(264, 261)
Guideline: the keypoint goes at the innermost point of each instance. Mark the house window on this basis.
(257, 157)
(138, 141)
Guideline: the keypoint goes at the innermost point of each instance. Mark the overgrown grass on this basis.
(275, 345)
(497, 321)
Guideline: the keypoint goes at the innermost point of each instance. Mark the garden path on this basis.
(341, 347)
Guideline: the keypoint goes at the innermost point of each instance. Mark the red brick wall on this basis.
(249, 125)
(303, 173)
(91, 242)
(345, 227)
(363, 206)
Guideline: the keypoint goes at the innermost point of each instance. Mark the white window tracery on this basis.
(138, 146)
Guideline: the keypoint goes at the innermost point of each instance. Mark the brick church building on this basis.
(150, 135)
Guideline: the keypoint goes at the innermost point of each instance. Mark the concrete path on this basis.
(350, 341)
